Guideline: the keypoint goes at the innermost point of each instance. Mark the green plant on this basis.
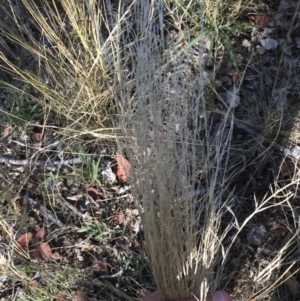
(215, 20)
(92, 165)
(98, 231)
(134, 263)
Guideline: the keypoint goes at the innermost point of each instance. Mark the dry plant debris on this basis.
(122, 168)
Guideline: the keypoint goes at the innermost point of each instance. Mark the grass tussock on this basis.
(168, 146)
(59, 51)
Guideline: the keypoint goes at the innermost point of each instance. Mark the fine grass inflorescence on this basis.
(179, 168)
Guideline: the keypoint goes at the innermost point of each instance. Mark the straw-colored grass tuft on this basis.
(178, 170)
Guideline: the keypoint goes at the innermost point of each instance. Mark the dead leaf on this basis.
(36, 137)
(122, 168)
(55, 256)
(118, 218)
(292, 283)
(45, 251)
(260, 19)
(6, 131)
(40, 232)
(93, 192)
(24, 240)
(34, 254)
(79, 296)
(100, 266)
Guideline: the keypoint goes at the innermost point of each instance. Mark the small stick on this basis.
(10, 160)
(44, 211)
(104, 283)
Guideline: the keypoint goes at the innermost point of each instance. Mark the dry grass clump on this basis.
(178, 175)
(185, 169)
(61, 50)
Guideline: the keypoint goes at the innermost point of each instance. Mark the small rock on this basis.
(108, 175)
(269, 44)
(246, 43)
(257, 235)
(134, 212)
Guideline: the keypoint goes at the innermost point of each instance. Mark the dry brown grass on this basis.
(169, 158)
(59, 49)
(173, 150)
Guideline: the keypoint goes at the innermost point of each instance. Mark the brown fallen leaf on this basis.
(24, 240)
(40, 232)
(93, 192)
(260, 19)
(122, 168)
(6, 131)
(45, 251)
(55, 256)
(118, 218)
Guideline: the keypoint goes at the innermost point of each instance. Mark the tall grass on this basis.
(61, 50)
(172, 153)
(182, 171)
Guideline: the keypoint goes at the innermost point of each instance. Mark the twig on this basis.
(77, 212)
(10, 160)
(104, 283)
(291, 152)
(44, 211)
(118, 274)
